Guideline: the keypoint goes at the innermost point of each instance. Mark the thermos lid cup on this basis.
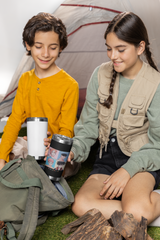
(39, 119)
(62, 139)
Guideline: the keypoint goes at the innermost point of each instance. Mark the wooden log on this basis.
(124, 223)
(89, 229)
(71, 227)
(107, 233)
(140, 232)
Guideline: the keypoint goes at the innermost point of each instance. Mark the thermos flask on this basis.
(57, 156)
(36, 132)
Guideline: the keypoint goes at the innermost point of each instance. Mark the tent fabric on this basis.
(6, 101)
(86, 22)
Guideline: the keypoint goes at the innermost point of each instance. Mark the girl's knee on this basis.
(80, 205)
(137, 210)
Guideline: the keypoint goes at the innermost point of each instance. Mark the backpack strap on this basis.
(31, 214)
(25, 184)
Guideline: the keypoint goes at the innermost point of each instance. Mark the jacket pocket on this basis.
(136, 142)
(136, 104)
(131, 122)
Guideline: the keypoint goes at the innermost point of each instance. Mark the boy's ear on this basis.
(27, 46)
(141, 47)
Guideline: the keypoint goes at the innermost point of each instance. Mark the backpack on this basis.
(27, 195)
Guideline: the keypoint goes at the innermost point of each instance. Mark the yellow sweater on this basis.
(54, 97)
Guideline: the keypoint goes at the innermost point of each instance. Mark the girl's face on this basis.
(125, 56)
(45, 50)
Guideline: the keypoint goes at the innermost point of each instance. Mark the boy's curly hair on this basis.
(44, 22)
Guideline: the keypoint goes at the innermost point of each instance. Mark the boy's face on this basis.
(45, 50)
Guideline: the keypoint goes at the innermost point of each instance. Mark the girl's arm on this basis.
(69, 110)
(86, 129)
(148, 157)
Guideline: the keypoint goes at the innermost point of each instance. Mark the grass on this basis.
(51, 229)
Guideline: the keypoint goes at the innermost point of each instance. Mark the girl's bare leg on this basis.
(88, 197)
(139, 199)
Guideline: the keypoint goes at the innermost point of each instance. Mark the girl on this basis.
(122, 111)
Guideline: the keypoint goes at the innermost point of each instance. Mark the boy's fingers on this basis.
(48, 134)
(25, 138)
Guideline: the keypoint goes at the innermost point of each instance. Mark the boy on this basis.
(47, 90)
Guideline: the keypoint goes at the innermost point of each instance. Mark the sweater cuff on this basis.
(76, 158)
(6, 158)
(73, 149)
(132, 168)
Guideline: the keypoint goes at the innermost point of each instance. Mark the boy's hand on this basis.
(115, 184)
(70, 157)
(2, 163)
(47, 142)
(25, 138)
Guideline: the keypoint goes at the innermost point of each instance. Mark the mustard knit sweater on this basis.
(54, 97)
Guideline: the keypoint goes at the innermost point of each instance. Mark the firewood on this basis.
(124, 223)
(71, 227)
(140, 232)
(89, 229)
(107, 233)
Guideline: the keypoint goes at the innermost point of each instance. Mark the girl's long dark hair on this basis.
(130, 28)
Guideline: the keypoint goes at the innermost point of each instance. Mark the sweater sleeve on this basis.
(13, 125)
(148, 157)
(69, 110)
(86, 129)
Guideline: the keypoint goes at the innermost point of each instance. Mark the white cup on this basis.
(36, 132)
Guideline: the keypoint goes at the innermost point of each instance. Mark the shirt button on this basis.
(37, 89)
(113, 140)
(39, 82)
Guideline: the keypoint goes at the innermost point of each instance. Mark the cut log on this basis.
(124, 223)
(71, 227)
(140, 232)
(108, 233)
(89, 229)
(93, 225)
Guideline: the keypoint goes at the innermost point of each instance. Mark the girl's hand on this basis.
(47, 142)
(115, 184)
(2, 163)
(70, 157)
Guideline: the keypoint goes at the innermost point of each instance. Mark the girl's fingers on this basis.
(70, 157)
(105, 189)
(114, 194)
(119, 192)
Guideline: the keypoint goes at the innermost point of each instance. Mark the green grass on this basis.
(51, 229)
